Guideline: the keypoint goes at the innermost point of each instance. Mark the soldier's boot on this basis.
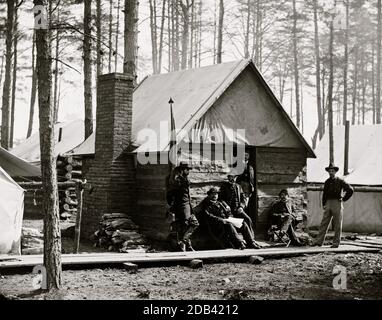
(182, 246)
(189, 246)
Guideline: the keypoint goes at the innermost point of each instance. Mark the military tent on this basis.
(17, 167)
(11, 214)
(67, 134)
(363, 212)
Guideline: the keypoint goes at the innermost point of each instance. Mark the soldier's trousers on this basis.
(186, 227)
(247, 220)
(234, 237)
(333, 212)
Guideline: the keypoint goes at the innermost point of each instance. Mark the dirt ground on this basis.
(304, 277)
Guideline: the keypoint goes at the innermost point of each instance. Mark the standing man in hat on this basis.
(178, 197)
(336, 192)
(216, 214)
(248, 184)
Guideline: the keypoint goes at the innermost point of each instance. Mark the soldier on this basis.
(282, 215)
(332, 201)
(232, 193)
(217, 213)
(248, 175)
(248, 184)
(178, 198)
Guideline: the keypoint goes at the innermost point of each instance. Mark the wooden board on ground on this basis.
(362, 244)
(159, 257)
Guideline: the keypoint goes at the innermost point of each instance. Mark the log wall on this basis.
(151, 194)
(277, 169)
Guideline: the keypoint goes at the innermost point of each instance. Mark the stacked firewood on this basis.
(117, 232)
(32, 241)
(68, 169)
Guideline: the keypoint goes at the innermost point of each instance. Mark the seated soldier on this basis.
(283, 216)
(216, 215)
(233, 194)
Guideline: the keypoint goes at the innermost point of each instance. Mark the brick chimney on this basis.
(111, 176)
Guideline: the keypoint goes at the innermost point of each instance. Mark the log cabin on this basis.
(224, 108)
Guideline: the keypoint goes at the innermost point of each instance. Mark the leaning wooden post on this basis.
(346, 153)
(78, 217)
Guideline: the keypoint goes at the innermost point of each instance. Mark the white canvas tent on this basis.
(72, 134)
(363, 212)
(17, 167)
(11, 214)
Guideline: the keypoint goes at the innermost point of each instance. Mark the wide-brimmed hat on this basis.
(184, 165)
(212, 190)
(332, 166)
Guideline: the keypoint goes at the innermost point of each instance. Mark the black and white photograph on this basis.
(191, 156)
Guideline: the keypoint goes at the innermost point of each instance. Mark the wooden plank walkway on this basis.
(7, 262)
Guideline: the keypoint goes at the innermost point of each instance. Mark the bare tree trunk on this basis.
(355, 85)
(177, 38)
(330, 94)
(173, 36)
(117, 37)
(33, 88)
(99, 38)
(52, 233)
(200, 13)
(110, 33)
(257, 34)
(14, 78)
(323, 100)
(185, 30)
(131, 32)
(318, 71)
(2, 69)
(215, 31)
(373, 80)
(5, 114)
(169, 35)
(302, 104)
(161, 36)
(247, 28)
(154, 38)
(56, 72)
(346, 63)
(291, 100)
(379, 35)
(295, 65)
(192, 29)
(364, 72)
(88, 99)
(220, 33)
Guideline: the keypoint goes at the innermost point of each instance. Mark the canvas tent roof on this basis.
(194, 92)
(17, 167)
(11, 214)
(72, 136)
(365, 155)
